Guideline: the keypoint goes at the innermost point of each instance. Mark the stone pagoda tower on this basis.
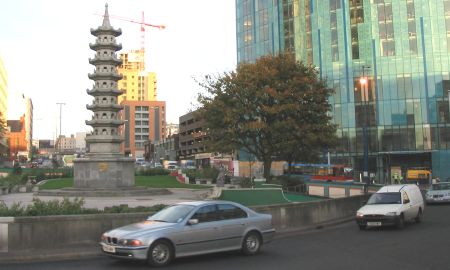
(104, 166)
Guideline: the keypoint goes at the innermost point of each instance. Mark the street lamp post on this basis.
(60, 124)
(365, 101)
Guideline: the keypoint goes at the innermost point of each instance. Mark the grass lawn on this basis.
(160, 181)
(57, 183)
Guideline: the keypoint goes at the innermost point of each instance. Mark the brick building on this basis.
(17, 139)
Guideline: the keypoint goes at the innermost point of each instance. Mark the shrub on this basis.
(290, 181)
(17, 169)
(123, 208)
(246, 182)
(55, 207)
(67, 207)
(152, 171)
(17, 209)
(13, 180)
(24, 177)
(207, 173)
(192, 174)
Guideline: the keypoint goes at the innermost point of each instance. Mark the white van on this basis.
(392, 206)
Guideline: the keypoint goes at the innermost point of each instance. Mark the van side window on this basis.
(405, 197)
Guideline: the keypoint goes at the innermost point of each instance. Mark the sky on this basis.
(44, 45)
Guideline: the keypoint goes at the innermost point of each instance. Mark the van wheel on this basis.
(419, 216)
(401, 222)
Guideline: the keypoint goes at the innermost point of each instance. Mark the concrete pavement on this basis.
(177, 195)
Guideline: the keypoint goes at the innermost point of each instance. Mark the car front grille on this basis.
(374, 216)
(111, 240)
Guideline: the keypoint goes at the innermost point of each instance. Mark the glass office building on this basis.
(402, 47)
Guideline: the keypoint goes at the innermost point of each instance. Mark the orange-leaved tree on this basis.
(275, 109)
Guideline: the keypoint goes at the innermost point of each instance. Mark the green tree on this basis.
(274, 109)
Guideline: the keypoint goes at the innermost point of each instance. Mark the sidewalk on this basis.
(178, 195)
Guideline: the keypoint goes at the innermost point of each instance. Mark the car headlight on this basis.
(359, 215)
(103, 238)
(391, 214)
(130, 242)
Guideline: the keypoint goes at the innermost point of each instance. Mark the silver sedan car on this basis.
(190, 228)
(438, 193)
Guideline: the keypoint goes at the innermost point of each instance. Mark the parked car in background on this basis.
(438, 193)
(139, 161)
(392, 205)
(158, 165)
(190, 228)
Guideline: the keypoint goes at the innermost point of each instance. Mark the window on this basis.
(228, 211)
(405, 197)
(206, 214)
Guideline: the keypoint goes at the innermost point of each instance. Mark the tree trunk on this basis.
(267, 167)
(289, 167)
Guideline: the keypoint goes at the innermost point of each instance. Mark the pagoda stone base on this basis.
(103, 172)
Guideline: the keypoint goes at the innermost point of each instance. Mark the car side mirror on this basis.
(192, 221)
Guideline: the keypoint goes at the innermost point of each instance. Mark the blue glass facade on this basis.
(402, 47)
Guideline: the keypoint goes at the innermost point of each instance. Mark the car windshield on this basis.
(172, 214)
(441, 186)
(385, 198)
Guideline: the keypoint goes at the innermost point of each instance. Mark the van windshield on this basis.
(385, 198)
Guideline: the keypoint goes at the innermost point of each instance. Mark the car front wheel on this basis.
(160, 253)
(252, 243)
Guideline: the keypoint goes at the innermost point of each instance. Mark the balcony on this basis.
(105, 46)
(106, 31)
(105, 76)
(105, 60)
(104, 92)
(104, 107)
(104, 122)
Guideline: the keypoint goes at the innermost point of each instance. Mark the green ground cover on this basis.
(266, 196)
(160, 181)
(294, 197)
